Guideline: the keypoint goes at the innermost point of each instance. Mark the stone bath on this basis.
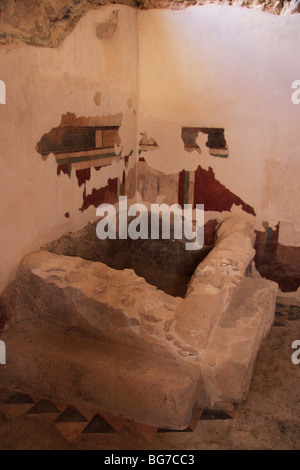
(149, 350)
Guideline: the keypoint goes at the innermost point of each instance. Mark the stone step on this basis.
(69, 367)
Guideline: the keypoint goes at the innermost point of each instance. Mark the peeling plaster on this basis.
(81, 144)
(166, 97)
(54, 81)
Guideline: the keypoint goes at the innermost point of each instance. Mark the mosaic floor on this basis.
(71, 422)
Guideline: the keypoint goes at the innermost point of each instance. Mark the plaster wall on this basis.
(42, 84)
(230, 68)
(155, 72)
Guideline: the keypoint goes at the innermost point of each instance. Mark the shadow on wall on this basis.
(215, 140)
(163, 263)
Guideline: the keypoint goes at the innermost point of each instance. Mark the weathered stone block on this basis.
(80, 331)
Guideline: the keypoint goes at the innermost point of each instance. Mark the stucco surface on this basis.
(42, 85)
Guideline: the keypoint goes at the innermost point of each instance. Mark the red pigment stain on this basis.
(214, 195)
(210, 231)
(2, 314)
(63, 168)
(123, 184)
(83, 176)
(287, 276)
(181, 188)
(108, 194)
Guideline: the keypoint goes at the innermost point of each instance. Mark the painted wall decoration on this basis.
(188, 187)
(146, 143)
(108, 194)
(80, 144)
(215, 140)
(80, 147)
(214, 195)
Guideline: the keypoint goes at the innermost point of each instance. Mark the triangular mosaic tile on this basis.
(190, 428)
(60, 406)
(43, 406)
(17, 403)
(71, 415)
(146, 431)
(116, 422)
(70, 431)
(208, 415)
(98, 425)
(18, 398)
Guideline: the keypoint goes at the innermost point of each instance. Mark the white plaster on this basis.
(41, 85)
(226, 67)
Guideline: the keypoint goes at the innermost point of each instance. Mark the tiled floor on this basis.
(71, 422)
